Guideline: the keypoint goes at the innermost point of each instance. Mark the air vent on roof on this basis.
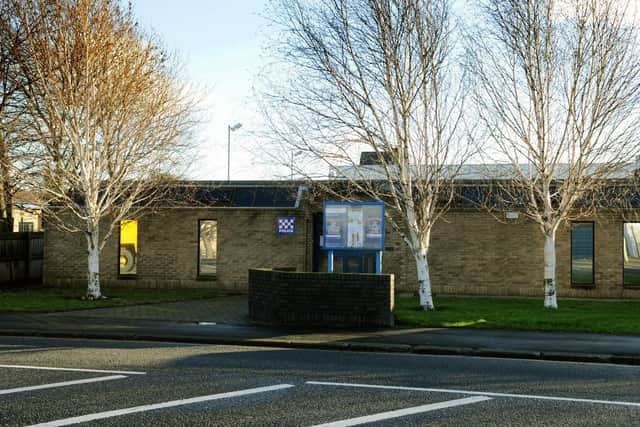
(369, 158)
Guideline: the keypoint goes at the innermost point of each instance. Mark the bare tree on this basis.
(14, 133)
(558, 91)
(374, 75)
(109, 111)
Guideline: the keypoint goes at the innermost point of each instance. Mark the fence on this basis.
(21, 257)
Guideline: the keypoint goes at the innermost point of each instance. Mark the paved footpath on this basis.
(224, 321)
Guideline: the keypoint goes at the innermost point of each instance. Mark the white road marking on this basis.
(95, 371)
(404, 412)
(153, 407)
(61, 384)
(481, 393)
(23, 350)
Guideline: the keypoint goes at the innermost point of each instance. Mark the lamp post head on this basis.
(235, 127)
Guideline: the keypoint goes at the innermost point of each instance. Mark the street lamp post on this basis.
(229, 130)
(297, 153)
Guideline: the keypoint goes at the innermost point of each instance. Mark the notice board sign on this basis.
(353, 226)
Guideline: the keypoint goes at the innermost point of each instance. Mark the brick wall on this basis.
(474, 254)
(471, 253)
(168, 249)
(321, 299)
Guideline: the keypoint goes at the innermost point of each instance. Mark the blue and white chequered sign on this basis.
(286, 225)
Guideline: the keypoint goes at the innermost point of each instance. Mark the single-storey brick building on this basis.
(248, 225)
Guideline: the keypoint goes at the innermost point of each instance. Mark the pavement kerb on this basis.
(339, 346)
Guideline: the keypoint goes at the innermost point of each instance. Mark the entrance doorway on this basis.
(343, 261)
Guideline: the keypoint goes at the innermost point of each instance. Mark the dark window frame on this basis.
(593, 256)
(211, 276)
(624, 284)
(126, 276)
(26, 226)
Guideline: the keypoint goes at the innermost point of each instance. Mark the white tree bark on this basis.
(550, 297)
(93, 271)
(424, 281)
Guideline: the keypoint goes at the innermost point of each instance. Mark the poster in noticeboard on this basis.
(353, 225)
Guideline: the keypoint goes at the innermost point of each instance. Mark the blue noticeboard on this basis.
(353, 226)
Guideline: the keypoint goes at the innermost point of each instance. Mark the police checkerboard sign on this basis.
(286, 225)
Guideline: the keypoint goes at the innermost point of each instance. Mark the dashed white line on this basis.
(480, 393)
(95, 371)
(405, 412)
(173, 403)
(61, 384)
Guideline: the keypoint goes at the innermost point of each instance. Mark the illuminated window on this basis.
(582, 253)
(631, 251)
(207, 247)
(128, 248)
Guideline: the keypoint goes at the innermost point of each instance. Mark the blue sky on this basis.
(220, 43)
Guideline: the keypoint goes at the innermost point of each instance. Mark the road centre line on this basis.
(405, 412)
(95, 371)
(61, 384)
(155, 406)
(480, 393)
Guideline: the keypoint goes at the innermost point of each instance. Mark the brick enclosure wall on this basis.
(168, 249)
(321, 299)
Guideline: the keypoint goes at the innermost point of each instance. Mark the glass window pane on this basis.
(582, 253)
(26, 226)
(208, 247)
(632, 254)
(128, 247)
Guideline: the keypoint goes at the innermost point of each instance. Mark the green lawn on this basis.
(64, 299)
(615, 317)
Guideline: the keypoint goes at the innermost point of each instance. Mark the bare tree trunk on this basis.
(550, 297)
(5, 205)
(4, 211)
(424, 280)
(93, 251)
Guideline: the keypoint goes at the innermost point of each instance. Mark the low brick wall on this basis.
(321, 299)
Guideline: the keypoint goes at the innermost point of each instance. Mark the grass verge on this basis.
(65, 299)
(613, 317)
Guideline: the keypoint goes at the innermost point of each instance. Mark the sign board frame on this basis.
(350, 226)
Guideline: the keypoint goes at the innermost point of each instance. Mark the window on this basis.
(128, 248)
(631, 251)
(26, 226)
(582, 253)
(207, 247)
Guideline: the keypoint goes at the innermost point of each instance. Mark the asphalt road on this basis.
(152, 384)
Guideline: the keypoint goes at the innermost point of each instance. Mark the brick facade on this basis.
(471, 253)
(168, 249)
